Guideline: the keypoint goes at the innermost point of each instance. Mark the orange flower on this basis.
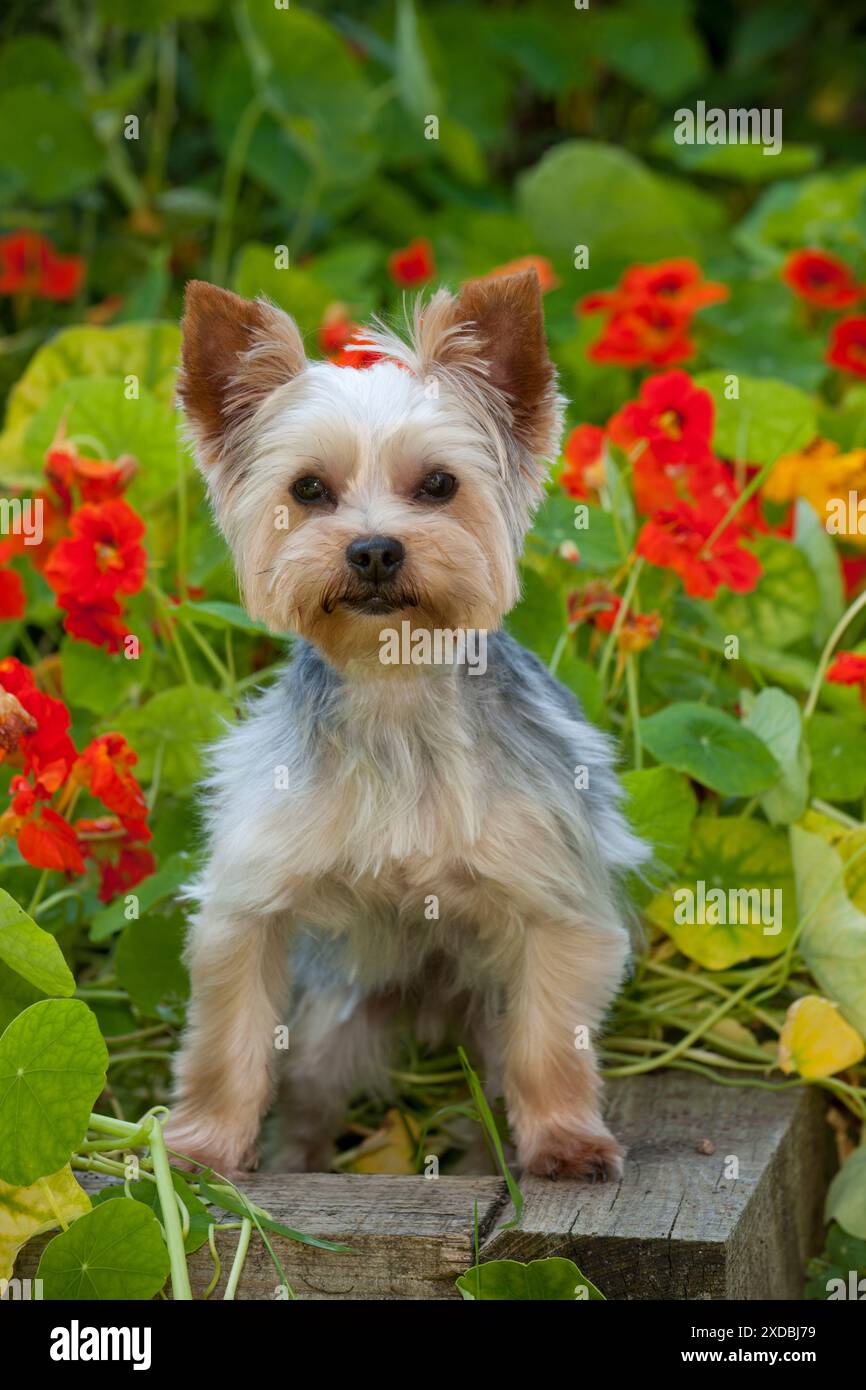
(45, 839)
(822, 279)
(547, 277)
(672, 415)
(412, 264)
(30, 265)
(848, 345)
(105, 768)
(584, 474)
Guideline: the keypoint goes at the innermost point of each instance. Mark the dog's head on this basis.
(399, 491)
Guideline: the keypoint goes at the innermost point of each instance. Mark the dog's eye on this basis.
(311, 490)
(438, 486)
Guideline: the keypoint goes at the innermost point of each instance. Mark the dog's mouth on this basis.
(373, 600)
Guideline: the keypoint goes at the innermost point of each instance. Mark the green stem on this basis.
(244, 130)
(829, 647)
(634, 707)
(170, 1217)
(620, 618)
(240, 1256)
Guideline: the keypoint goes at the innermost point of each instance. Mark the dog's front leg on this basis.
(224, 1070)
(566, 975)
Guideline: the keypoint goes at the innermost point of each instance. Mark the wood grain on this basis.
(737, 1222)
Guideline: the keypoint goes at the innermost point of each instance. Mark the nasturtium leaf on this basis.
(146, 1193)
(776, 718)
(606, 184)
(48, 143)
(99, 411)
(833, 939)
(745, 162)
(98, 680)
(812, 540)
(846, 1196)
(148, 961)
(783, 605)
(767, 418)
(661, 807)
(296, 290)
(816, 1041)
(843, 1259)
(114, 1251)
(415, 82)
(30, 951)
(712, 747)
(553, 1278)
(148, 351)
(174, 726)
(838, 748)
(734, 897)
(15, 995)
(28, 1211)
(52, 1068)
(163, 884)
(560, 520)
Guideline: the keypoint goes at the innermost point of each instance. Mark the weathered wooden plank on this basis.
(737, 1222)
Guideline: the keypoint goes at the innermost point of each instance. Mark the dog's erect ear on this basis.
(235, 352)
(505, 315)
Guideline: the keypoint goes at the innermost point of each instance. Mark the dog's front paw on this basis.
(590, 1156)
(195, 1139)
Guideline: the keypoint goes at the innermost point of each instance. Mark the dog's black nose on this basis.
(375, 557)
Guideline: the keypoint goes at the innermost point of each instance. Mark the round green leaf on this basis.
(833, 939)
(776, 718)
(175, 725)
(114, 1251)
(738, 856)
(838, 749)
(767, 419)
(661, 807)
(586, 192)
(554, 1278)
(52, 1068)
(148, 961)
(48, 143)
(30, 951)
(783, 605)
(846, 1196)
(711, 747)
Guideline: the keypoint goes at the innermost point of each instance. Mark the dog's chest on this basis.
(402, 777)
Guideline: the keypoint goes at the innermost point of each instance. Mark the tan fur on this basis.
(401, 800)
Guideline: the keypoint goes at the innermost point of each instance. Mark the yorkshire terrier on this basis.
(388, 837)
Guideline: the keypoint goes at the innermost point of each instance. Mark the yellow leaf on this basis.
(817, 1041)
(391, 1149)
(27, 1211)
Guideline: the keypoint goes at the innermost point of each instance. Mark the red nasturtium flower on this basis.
(583, 474)
(97, 480)
(648, 332)
(672, 416)
(13, 601)
(30, 265)
(848, 345)
(105, 768)
(650, 312)
(821, 279)
(412, 264)
(849, 668)
(88, 570)
(45, 839)
(121, 862)
(45, 747)
(678, 538)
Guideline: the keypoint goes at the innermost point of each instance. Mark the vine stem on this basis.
(240, 1256)
(829, 647)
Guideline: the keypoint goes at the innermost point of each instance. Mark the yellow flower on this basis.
(817, 1041)
(820, 474)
